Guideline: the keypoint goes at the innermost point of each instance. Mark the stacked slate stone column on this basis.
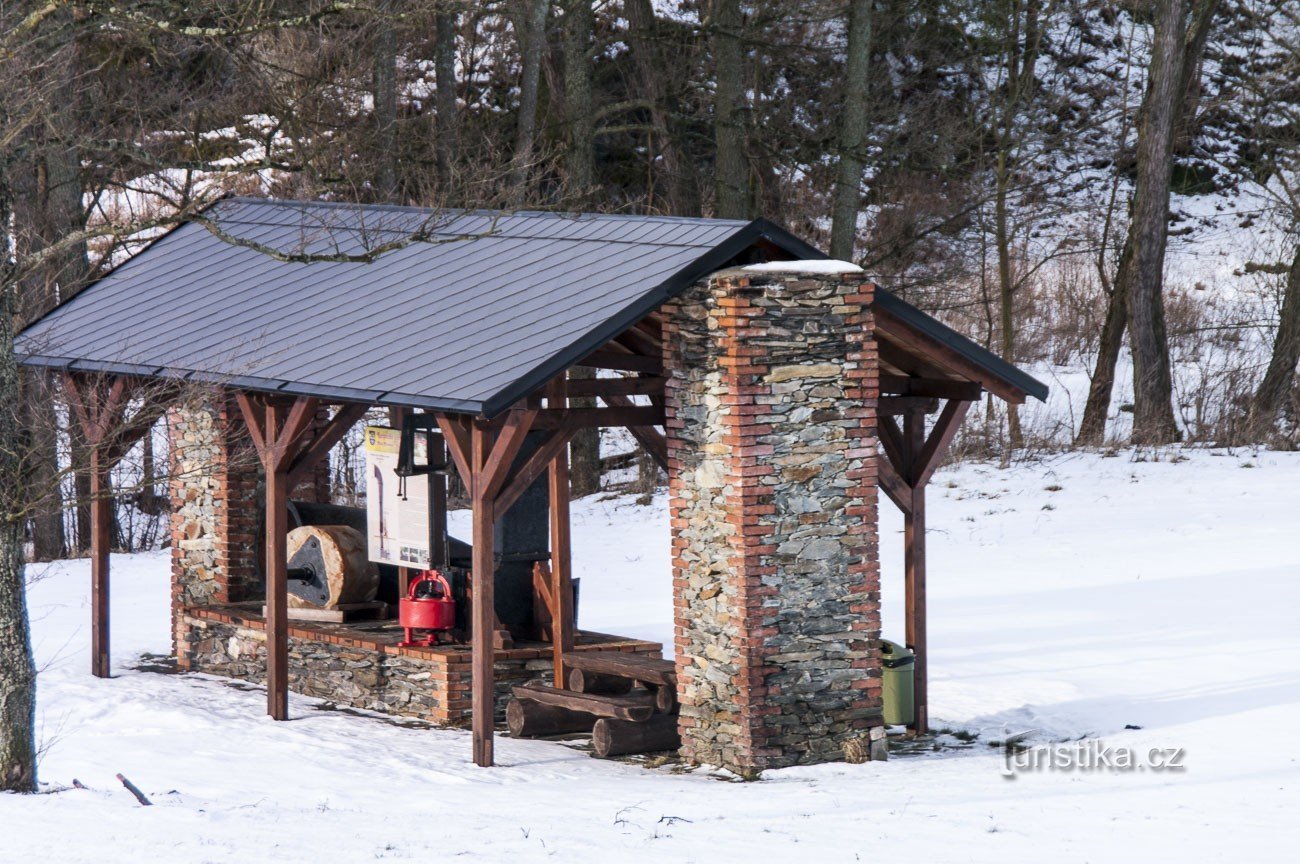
(216, 499)
(771, 401)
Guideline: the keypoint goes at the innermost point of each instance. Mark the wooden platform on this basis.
(384, 636)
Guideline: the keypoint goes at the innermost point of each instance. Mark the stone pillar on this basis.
(771, 420)
(216, 499)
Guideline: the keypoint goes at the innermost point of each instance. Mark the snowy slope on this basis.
(1072, 597)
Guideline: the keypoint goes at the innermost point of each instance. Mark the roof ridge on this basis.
(464, 211)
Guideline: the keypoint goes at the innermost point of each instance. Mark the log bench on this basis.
(636, 706)
(637, 667)
(603, 699)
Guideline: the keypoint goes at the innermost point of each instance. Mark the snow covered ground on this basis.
(1074, 597)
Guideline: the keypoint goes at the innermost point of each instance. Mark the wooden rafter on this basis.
(644, 385)
(648, 436)
(940, 355)
(607, 359)
(934, 388)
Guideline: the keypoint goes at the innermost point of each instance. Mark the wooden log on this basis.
(583, 681)
(665, 698)
(633, 706)
(528, 719)
(639, 667)
(619, 737)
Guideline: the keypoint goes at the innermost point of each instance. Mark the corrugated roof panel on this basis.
(454, 321)
(474, 315)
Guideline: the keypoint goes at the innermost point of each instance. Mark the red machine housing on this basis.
(428, 606)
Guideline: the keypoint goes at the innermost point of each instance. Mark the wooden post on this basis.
(484, 610)
(281, 433)
(100, 541)
(101, 412)
(438, 552)
(914, 568)
(561, 547)
(277, 582)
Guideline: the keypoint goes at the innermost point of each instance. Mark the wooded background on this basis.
(1102, 192)
(1017, 167)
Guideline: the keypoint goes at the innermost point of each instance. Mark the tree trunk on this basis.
(580, 158)
(1092, 430)
(40, 420)
(584, 450)
(1281, 365)
(17, 669)
(731, 187)
(645, 39)
(1006, 289)
(532, 43)
(48, 207)
(1153, 412)
(444, 67)
(385, 96)
(853, 133)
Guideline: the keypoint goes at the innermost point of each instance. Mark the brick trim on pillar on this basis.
(771, 420)
(216, 500)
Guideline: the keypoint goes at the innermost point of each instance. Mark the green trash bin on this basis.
(899, 670)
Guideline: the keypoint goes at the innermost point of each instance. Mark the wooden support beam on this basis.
(891, 441)
(943, 356)
(456, 433)
(298, 417)
(640, 343)
(892, 483)
(100, 415)
(277, 581)
(649, 437)
(483, 612)
(254, 412)
(604, 359)
(506, 447)
(100, 539)
(438, 551)
(278, 428)
(891, 405)
(936, 446)
(319, 447)
(586, 418)
(934, 388)
(644, 385)
(561, 545)
(914, 573)
(531, 469)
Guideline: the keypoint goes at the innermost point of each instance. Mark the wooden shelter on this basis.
(476, 319)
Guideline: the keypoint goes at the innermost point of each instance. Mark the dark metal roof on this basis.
(471, 319)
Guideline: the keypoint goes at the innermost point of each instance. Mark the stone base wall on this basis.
(431, 684)
(216, 493)
(771, 398)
